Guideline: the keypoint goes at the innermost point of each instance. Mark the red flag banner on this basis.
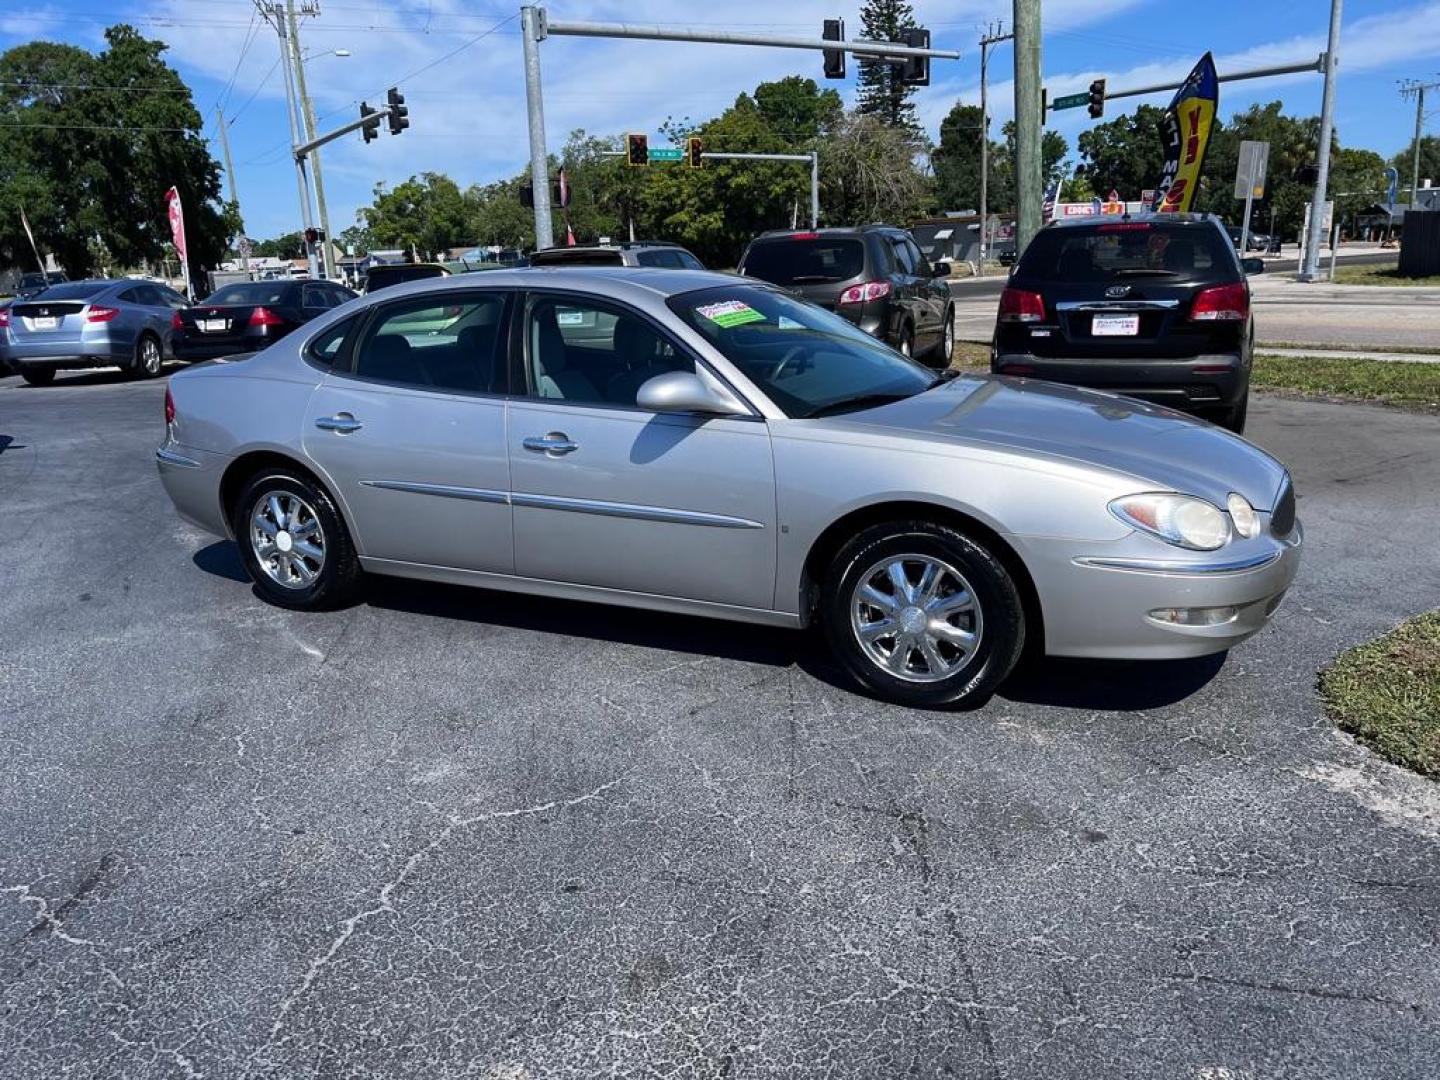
(177, 222)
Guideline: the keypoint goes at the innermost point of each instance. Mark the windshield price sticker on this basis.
(729, 313)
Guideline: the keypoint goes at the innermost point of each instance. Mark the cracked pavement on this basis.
(452, 833)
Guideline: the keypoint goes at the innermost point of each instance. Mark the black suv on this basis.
(875, 276)
(1156, 308)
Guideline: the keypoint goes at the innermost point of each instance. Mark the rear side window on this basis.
(449, 343)
(787, 261)
(325, 349)
(1127, 249)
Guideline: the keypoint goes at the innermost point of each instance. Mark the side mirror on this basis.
(1252, 266)
(940, 268)
(686, 392)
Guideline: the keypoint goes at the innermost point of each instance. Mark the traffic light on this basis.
(694, 152)
(834, 58)
(637, 150)
(1097, 99)
(399, 113)
(313, 236)
(1308, 175)
(916, 69)
(371, 130)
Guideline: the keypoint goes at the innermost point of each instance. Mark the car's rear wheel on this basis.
(149, 357)
(905, 346)
(38, 376)
(294, 543)
(1234, 418)
(920, 614)
(944, 350)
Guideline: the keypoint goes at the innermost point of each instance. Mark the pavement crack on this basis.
(1305, 991)
(383, 900)
(52, 919)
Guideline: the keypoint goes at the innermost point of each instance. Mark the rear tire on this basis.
(294, 543)
(943, 352)
(149, 357)
(1234, 419)
(905, 346)
(43, 376)
(947, 636)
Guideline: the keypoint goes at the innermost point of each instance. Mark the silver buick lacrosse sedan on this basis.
(700, 443)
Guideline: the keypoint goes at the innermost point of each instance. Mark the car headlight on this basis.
(1182, 520)
(1243, 516)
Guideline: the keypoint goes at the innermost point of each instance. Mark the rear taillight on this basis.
(1018, 305)
(4, 318)
(175, 323)
(870, 290)
(263, 316)
(169, 407)
(101, 314)
(1224, 303)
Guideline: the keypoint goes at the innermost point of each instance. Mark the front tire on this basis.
(294, 543)
(920, 614)
(38, 376)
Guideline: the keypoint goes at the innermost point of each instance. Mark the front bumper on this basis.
(1192, 383)
(1097, 598)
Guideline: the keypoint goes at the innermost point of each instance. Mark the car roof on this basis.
(619, 280)
(1110, 219)
(833, 230)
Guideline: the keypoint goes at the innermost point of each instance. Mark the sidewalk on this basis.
(1349, 354)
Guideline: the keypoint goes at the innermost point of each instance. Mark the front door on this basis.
(608, 494)
(412, 431)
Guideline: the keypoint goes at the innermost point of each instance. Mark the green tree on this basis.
(881, 93)
(1125, 153)
(1404, 163)
(956, 160)
(425, 214)
(868, 173)
(796, 108)
(289, 246)
(91, 145)
(1292, 144)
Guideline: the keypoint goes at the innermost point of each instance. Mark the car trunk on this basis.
(227, 324)
(59, 321)
(1152, 320)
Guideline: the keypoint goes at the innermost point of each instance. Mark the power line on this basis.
(256, 92)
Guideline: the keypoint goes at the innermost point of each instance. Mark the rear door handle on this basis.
(554, 443)
(343, 423)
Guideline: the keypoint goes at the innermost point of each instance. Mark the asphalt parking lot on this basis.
(460, 834)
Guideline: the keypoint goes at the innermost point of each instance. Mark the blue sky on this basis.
(459, 63)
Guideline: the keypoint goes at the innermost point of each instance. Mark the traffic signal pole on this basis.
(1310, 271)
(536, 26)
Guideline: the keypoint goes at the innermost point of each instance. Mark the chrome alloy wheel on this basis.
(949, 338)
(916, 618)
(287, 539)
(151, 359)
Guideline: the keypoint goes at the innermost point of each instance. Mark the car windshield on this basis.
(1125, 249)
(796, 260)
(78, 290)
(808, 361)
(251, 292)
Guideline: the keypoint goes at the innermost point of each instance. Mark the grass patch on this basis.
(1379, 274)
(1389, 382)
(971, 354)
(1387, 694)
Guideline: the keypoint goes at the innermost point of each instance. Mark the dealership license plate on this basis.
(1115, 326)
(212, 326)
(44, 322)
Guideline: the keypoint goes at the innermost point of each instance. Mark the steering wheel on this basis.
(790, 354)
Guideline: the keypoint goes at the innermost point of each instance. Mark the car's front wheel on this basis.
(921, 614)
(294, 543)
(38, 376)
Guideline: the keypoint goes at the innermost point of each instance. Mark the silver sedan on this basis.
(694, 442)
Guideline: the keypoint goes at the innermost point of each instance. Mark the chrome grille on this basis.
(1282, 518)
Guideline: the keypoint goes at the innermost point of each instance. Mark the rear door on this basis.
(410, 427)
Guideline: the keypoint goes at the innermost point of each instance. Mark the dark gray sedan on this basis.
(87, 324)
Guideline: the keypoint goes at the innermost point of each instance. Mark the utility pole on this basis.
(1311, 269)
(274, 13)
(995, 35)
(1029, 179)
(532, 31)
(307, 114)
(1416, 89)
(230, 175)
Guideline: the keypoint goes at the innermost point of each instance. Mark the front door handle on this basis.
(343, 423)
(554, 443)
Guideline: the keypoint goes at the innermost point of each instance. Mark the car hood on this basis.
(1161, 448)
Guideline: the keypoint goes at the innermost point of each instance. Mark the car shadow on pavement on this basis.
(222, 559)
(1111, 685)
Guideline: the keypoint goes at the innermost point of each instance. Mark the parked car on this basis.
(874, 276)
(629, 253)
(36, 283)
(249, 315)
(384, 275)
(694, 442)
(1157, 309)
(86, 324)
(1256, 241)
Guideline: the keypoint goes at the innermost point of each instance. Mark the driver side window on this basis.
(591, 354)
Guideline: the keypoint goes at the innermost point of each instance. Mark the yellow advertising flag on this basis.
(1188, 123)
